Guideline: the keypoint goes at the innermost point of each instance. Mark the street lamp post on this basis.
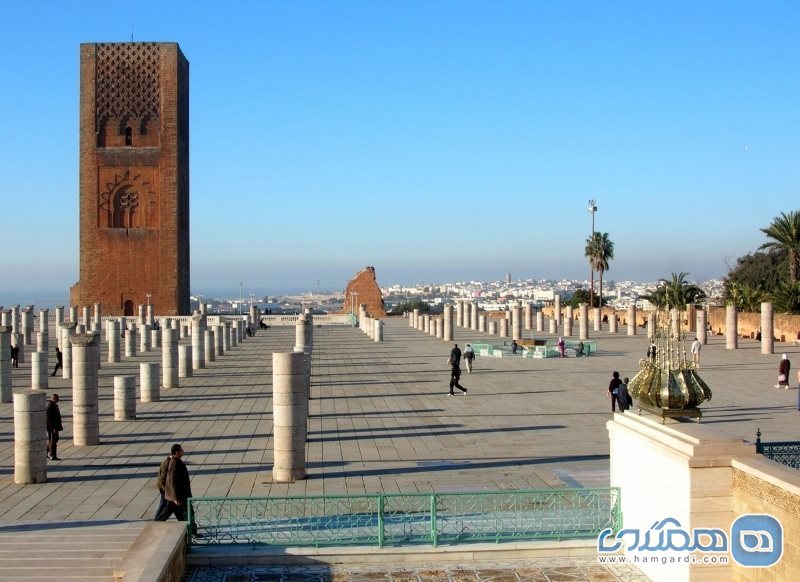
(591, 208)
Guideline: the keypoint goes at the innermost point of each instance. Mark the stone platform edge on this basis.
(366, 555)
(157, 555)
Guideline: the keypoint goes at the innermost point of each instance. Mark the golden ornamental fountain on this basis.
(668, 384)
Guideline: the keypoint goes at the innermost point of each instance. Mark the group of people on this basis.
(618, 392)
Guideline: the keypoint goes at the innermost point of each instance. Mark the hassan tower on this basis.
(134, 178)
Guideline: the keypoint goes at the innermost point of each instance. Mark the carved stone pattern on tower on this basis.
(127, 81)
(128, 201)
(767, 492)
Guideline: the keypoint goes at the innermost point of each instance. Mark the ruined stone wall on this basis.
(369, 293)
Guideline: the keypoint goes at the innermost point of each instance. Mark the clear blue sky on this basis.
(434, 140)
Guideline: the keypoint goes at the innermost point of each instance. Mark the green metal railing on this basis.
(784, 452)
(402, 519)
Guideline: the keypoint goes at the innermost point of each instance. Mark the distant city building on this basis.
(508, 277)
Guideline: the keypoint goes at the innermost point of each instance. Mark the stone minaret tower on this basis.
(134, 178)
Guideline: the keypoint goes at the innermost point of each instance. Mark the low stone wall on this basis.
(786, 327)
(764, 486)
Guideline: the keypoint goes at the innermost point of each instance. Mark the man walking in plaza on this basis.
(177, 488)
(469, 355)
(59, 361)
(53, 415)
(696, 346)
(455, 355)
(455, 375)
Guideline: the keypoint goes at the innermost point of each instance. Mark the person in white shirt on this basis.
(696, 346)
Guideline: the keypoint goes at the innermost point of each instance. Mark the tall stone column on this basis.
(30, 437)
(767, 328)
(39, 372)
(124, 397)
(142, 318)
(184, 361)
(226, 336)
(5, 318)
(16, 324)
(410, 318)
(651, 325)
(492, 327)
(150, 381)
(557, 307)
(73, 314)
(44, 329)
(289, 413)
(675, 322)
(528, 315)
(27, 325)
(426, 322)
(97, 314)
(553, 326)
(567, 327)
(504, 327)
(473, 317)
(59, 316)
(41, 343)
(612, 322)
(731, 328)
(145, 338)
(198, 341)
(447, 333)
(169, 358)
(85, 416)
(151, 320)
(691, 317)
(516, 321)
(210, 346)
(466, 310)
(420, 322)
(598, 319)
(86, 320)
(583, 321)
(19, 342)
(632, 319)
(440, 328)
(431, 326)
(203, 308)
(702, 326)
(459, 312)
(219, 340)
(155, 339)
(67, 331)
(6, 385)
(379, 330)
(130, 342)
(539, 321)
(302, 334)
(233, 333)
(112, 325)
(482, 323)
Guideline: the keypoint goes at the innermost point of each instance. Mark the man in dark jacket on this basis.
(177, 488)
(612, 390)
(53, 415)
(59, 361)
(161, 483)
(455, 355)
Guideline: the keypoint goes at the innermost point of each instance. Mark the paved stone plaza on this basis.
(381, 420)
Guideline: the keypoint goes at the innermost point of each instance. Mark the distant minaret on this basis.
(508, 277)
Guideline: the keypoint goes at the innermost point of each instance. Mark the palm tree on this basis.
(675, 293)
(785, 234)
(590, 252)
(600, 251)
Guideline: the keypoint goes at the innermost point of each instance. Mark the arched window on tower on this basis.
(128, 136)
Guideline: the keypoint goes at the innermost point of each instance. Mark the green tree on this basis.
(600, 251)
(786, 298)
(760, 271)
(400, 308)
(784, 232)
(675, 292)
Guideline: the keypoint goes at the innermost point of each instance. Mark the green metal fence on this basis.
(400, 519)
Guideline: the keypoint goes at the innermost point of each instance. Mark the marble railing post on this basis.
(150, 381)
(169, 358)
(702, 326)
(85, 415)
(598, 319)
(767, 328)
(632, 319)
(30, 437)
(124, 397)
(6, 386)
(731, 328)
(39, 371)
(516, 321)
(289, 412)
(198, 341)
(184, 361)
(130, 342)
(583, 321)
(447, 323)
(67, 331)
(210, 345)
